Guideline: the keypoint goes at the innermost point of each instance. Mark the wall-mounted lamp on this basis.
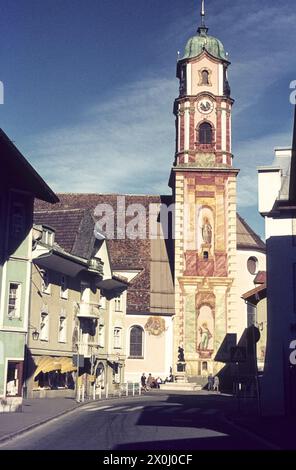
(35, 334)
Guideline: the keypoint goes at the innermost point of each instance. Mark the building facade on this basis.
(277, 204)
(76, 329)
(203, 181)
(20, 184)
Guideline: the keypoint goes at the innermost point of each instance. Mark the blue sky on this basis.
(89, 87)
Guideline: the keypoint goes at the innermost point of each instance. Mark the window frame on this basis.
(16, 313)
(203, 72)
(62, 339)
(42, 335)
(85, 292)
(133, 356)
(101, 335)
(205, 136)
(64, 290)
(45, 282)
(252, 259)
(118, 304)
(117, 338)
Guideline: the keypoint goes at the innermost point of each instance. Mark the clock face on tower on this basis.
(205, 106)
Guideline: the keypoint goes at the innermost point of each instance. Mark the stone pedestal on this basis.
(180, 377)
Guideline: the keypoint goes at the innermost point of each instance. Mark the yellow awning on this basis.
(47, 364)
(67, 365)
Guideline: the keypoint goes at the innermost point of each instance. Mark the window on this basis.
(45, 282)
(183, 85)
(136, 342)
(205, 255)
(62, 333)
(102, 302)
(17, 220)
(205, 133)
(205, 77)
(85, 292)
(117, 338)
(14, 298)
(118, 304)
(116, 373)
(252, 265)
(64, 287)
(44, 324)
(101, 335)
(204, 366)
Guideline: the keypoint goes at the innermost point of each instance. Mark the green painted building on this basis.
(20, 184)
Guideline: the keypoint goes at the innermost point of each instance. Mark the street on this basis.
(155, 421)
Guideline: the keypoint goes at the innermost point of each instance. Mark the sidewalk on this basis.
(35, 411)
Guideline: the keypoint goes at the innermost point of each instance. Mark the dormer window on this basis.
(205, 77)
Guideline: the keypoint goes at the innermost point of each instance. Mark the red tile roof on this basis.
(124, 253)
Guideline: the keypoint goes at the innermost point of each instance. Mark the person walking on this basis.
(216, 384)
(143, 382)
(210, 382)
(150, 381)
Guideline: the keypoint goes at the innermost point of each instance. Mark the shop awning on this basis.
(47, 364)
(67, 365)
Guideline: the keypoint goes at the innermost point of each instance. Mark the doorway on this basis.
(14, 379)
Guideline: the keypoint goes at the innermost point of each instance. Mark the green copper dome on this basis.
(201, 41)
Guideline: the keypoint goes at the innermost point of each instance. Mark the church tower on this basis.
(203, 181)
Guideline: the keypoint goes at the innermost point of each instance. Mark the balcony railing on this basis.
(87, 310)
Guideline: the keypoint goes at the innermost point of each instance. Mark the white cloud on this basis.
(125, 144)
(254, 153)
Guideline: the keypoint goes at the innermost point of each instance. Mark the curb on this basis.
(8, 437)
(251, 434)
(12, 435)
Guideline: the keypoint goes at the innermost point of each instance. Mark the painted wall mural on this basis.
(205, 230)
(155, 326)
(205, 332)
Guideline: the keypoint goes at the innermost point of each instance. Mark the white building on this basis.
(277, 204)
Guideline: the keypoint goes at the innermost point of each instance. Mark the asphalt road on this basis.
(157, 421)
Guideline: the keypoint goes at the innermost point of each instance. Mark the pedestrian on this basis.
(143, 382)
(210, 382)
(150, 381)
(216, 384)
(158, 382)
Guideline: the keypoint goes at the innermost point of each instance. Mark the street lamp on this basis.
(35, 334)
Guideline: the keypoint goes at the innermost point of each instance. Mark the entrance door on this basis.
(14, 378)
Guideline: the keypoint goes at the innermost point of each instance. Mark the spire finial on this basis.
(202, 30)
(202, 13)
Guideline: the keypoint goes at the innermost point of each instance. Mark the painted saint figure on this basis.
(206, 231)
(205, 336)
